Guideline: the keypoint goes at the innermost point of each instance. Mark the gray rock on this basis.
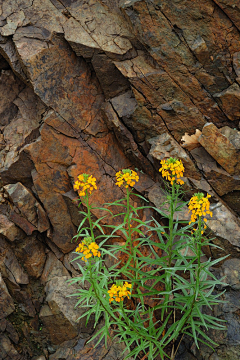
(60, 315)
(124, 104)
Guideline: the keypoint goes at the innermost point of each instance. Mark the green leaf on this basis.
(161, 212)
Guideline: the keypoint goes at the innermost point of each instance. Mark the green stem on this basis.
(171, 223)
(129, 236)
(168, 282)
(199, 252)
(111, 314)
(89, 215)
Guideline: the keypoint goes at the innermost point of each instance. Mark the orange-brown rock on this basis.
(223, 146)
(9, 229)
(229, 100)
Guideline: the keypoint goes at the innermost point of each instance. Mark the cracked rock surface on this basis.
(94, 87)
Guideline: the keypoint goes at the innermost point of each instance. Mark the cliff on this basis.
(94, 87)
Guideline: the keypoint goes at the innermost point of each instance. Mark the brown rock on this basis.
(230, 270)
(79, 39)
(10, 87)
(12, 333)
(109, 30)
(222, 147)
(58, 123)
(69, 80)
(51, 156)
(53, 268)
(31, 253)
(9, 265)
(58, 327)
(72, 201)
(231, 8)
(7, 350)
(233, 200)
(229, 100)
(15, 164)
(170, 48)
(20, 221)
(153, 85)
(13, 21)
(111, 79)
(236, 63)
(220, 180)
(60, 316)
(9, 229)
(56, 208)
(4, 64)
(28, 207)
(200, 49)
(6, 301)
(133, 108)
(24, 300)
(124, 104)
(126, 139)
(224, 224)
(164, 146)
(113, 349)
(8, 51)
(15, 167)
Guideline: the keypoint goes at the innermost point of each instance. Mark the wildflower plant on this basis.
(118, 293)
(88, 248)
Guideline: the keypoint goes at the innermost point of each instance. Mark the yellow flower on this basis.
(199, 206)
(119, 292)
(127, 178)
(88, 248)
(85, 183)
(172, 169)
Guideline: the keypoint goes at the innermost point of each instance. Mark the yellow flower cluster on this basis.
(118, 292)
(88, 248)
(199, 206)
(172, 169)
(127, 178)
(85, 183)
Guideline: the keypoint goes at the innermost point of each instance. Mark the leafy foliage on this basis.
(174, 264)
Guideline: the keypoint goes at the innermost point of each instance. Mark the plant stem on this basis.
(199, 252)
(168, 280)
(89, 216)
(172, 209)
(123, 314)
(129, 237)
(129, 234)
(198, 271)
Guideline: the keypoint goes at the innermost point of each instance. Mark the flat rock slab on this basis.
(31, 212)
(6, 301)
(222, 147)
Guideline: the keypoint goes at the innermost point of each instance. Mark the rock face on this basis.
(94, 87)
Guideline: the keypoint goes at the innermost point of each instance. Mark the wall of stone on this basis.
(97, 86)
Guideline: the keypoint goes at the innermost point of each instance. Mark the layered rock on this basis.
(94, 87)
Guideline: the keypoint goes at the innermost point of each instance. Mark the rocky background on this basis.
(96, 86)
